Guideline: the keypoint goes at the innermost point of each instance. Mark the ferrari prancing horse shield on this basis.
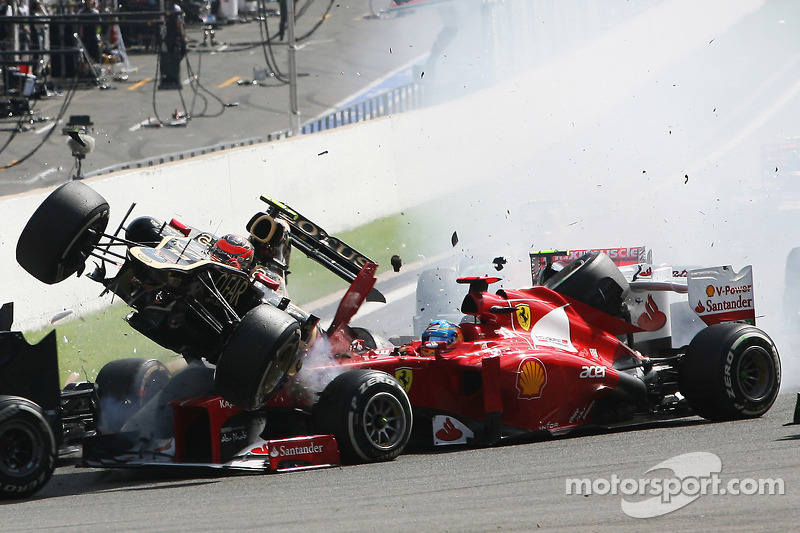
(523, 313)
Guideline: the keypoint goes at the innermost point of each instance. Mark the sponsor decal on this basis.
(405, 376)
(553, 330)
(232, 434)
(206, 239)
(232, 286)
(590, 372)
(523, 313)
(581, 413)
(719, 294)
(653, 318)
(448, 430)
(310, 232)
(531, 378)
(282, 450)
(141, 256)
(260, 450)
(548, 426)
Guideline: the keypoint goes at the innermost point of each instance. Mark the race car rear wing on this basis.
(543, 259)
(332, 253)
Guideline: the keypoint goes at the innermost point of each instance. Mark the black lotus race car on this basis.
(235, 319)
(236, 322)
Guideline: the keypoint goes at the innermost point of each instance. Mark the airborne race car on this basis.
(583, 346)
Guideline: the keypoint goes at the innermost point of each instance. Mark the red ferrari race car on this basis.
(586, 344)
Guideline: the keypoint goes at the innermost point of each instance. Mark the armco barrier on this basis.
(404, 98)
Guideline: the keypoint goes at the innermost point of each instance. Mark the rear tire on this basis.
(730, 371)
(593, 279)
(124, 386)
(261, 352)
(369, 414)
(62, 232)
(27, 448)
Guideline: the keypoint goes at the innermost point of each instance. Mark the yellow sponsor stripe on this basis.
(139, 84)
(227, 82)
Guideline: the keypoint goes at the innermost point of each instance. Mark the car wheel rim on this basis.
(82, 246)
(284, 360)
(384, 421)
(755, 373)
(21, 449)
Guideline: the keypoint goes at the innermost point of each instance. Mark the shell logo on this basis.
(531, 379)
(710, 291)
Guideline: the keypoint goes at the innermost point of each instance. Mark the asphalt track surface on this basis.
(520, 487)
(348, 54)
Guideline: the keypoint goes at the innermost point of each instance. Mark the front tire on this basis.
(124, 386)
(730, 371)
(262, 351)
(27, 448)
(369, 414)
(62, 232)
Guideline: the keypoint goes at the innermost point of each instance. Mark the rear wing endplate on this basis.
(332, 253)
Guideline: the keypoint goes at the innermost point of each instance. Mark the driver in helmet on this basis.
(233, 250)
(439, 331)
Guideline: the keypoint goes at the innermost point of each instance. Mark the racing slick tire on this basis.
(368, 412)
(27, 448)
(62, 232)
(730, 371)
(124, 386)
(261, 352)
(593, 279)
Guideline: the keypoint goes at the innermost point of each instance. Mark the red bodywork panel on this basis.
(224, 425)
(532, 362)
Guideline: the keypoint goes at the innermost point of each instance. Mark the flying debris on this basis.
(58, 316)
(454, 238)
(396, 263)
(499, 263)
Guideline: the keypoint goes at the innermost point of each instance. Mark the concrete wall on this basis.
(349, 176)
(341, 179)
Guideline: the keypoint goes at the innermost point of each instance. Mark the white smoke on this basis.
(627, 132)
